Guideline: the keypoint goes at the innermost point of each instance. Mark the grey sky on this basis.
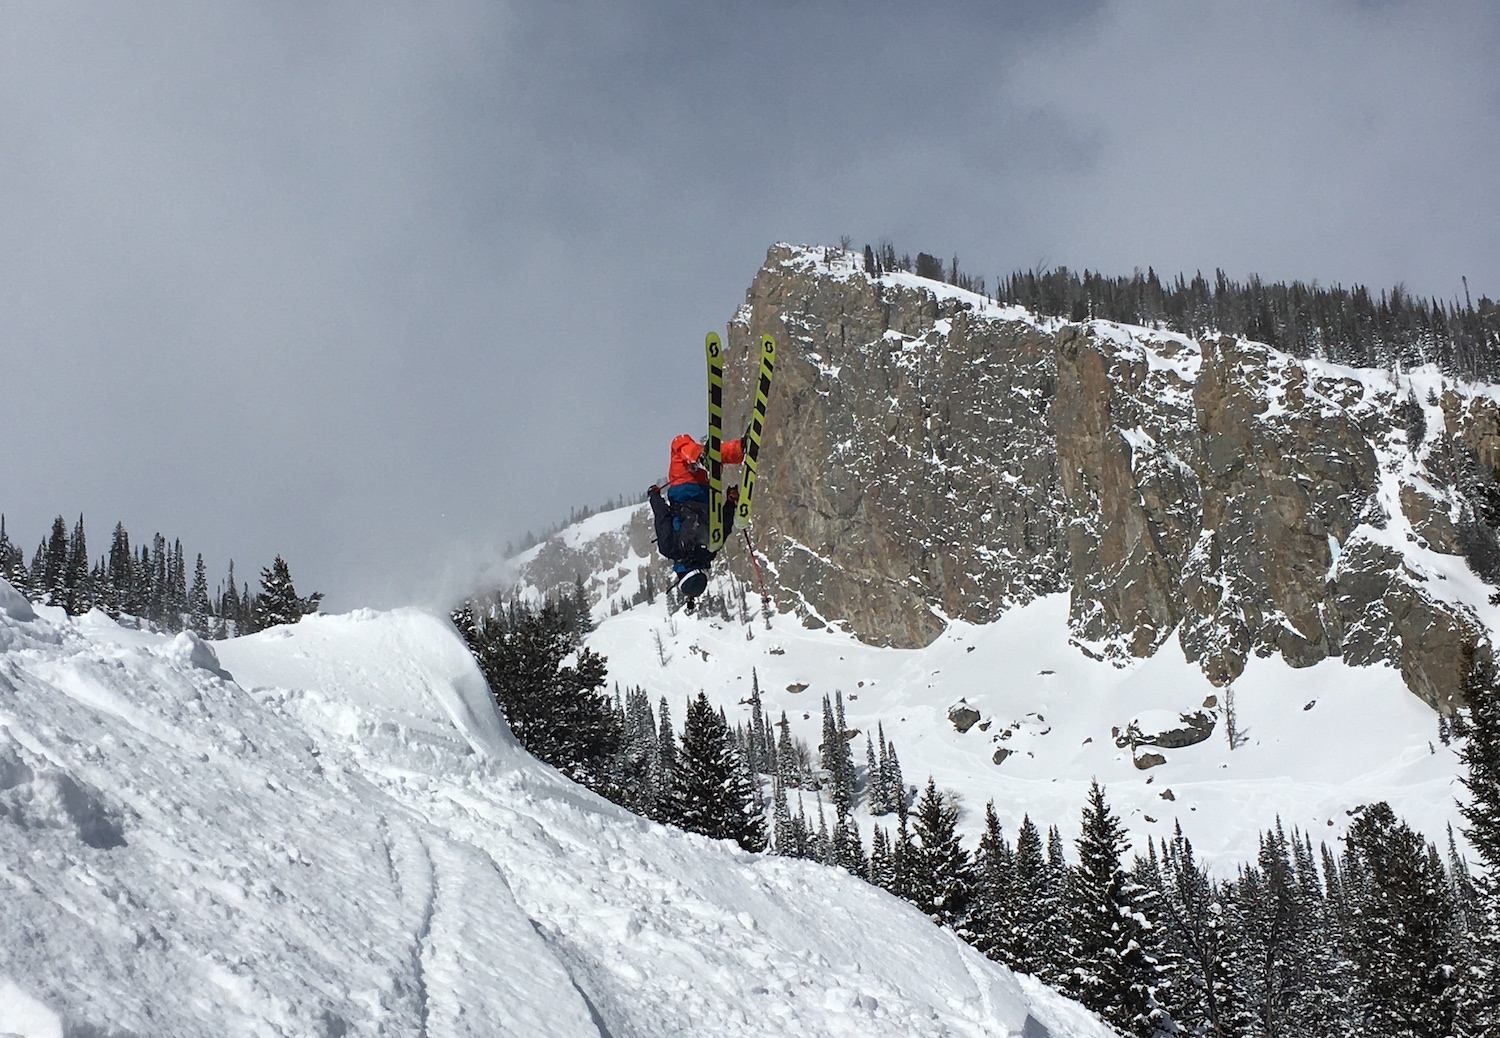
(381, 286)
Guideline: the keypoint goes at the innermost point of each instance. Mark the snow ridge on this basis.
(340, 838)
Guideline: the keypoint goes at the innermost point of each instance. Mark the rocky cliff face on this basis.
(930, 455)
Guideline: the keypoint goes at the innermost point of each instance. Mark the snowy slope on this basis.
(327, 830)
(1316, 742)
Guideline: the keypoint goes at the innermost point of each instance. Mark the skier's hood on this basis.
(686, 449)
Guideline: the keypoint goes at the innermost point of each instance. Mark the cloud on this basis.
(377, 286)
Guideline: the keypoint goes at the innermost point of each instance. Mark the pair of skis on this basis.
(714, 350)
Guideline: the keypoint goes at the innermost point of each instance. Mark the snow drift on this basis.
(328, 830)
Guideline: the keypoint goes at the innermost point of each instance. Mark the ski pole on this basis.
(765, 597)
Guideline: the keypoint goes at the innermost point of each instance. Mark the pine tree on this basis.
(1403, 949)
(787, 766)
(942, 876)
(200, 610)
(1110, 971)
(10, 555)
(561, 714)
(278, 601)
(874, 790)
(882, 871)
(756, 748)
(1479, 983)
(13, 563)
(783, 832)
(994, 890)
(710, 791)
(54, 573)
(157, 567)
(829, 756)
(1033, 941)
(78, 595)
(666, 767)
(229, 602)
(1202, 956)
(119, 573)
(640, 760)
(891, 778)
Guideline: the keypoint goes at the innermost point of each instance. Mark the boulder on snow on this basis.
(1162, 730)
(963, 716)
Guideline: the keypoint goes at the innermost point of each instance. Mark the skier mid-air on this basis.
(695, 518)
(682, 519)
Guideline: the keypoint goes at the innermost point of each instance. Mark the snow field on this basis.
(327, 830)
(1316, 743)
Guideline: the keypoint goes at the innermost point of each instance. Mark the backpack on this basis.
(690, 521)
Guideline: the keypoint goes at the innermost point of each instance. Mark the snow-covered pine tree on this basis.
(1033, 938)
(157, 567)
(1201, 953)
(666, 761)
(783, 833)
(119, 572)
(10, 556)
(822, 842)
(200, 609)
(177, 590)
(942, 876)
(754, 834)
(994, 889)
(1479, 983)
(904, 863)
(13, 563)
(709, 786)
(559, 713)
(759, 752)
(874, 791)
(1404, 947)
(1110, 971)
(78, 598)
(54, 573)
(828, 757)
(881, 872)
(849, 850)
(787, 765)
(843, 782)
(278, 601)
(639, 762)
(895, 783)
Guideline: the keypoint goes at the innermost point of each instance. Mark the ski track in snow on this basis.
(327, 830)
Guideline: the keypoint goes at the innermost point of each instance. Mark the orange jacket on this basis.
(687, 453)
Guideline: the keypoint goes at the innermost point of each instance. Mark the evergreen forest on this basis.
(149, 586)
(1385, 934)
(1354, 326)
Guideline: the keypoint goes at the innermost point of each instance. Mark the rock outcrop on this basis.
(933, 456)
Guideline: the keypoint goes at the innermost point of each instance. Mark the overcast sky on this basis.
(381, 286)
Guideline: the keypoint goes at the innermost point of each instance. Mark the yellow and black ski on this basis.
(757, 426)
(713, 453)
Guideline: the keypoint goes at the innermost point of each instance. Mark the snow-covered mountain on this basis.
(1311, 743)
(933, 455)
(328, 830)
(1220, 579)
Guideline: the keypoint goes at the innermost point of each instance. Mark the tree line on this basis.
(149, 585)
(1355, 325)
(1387, 935)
